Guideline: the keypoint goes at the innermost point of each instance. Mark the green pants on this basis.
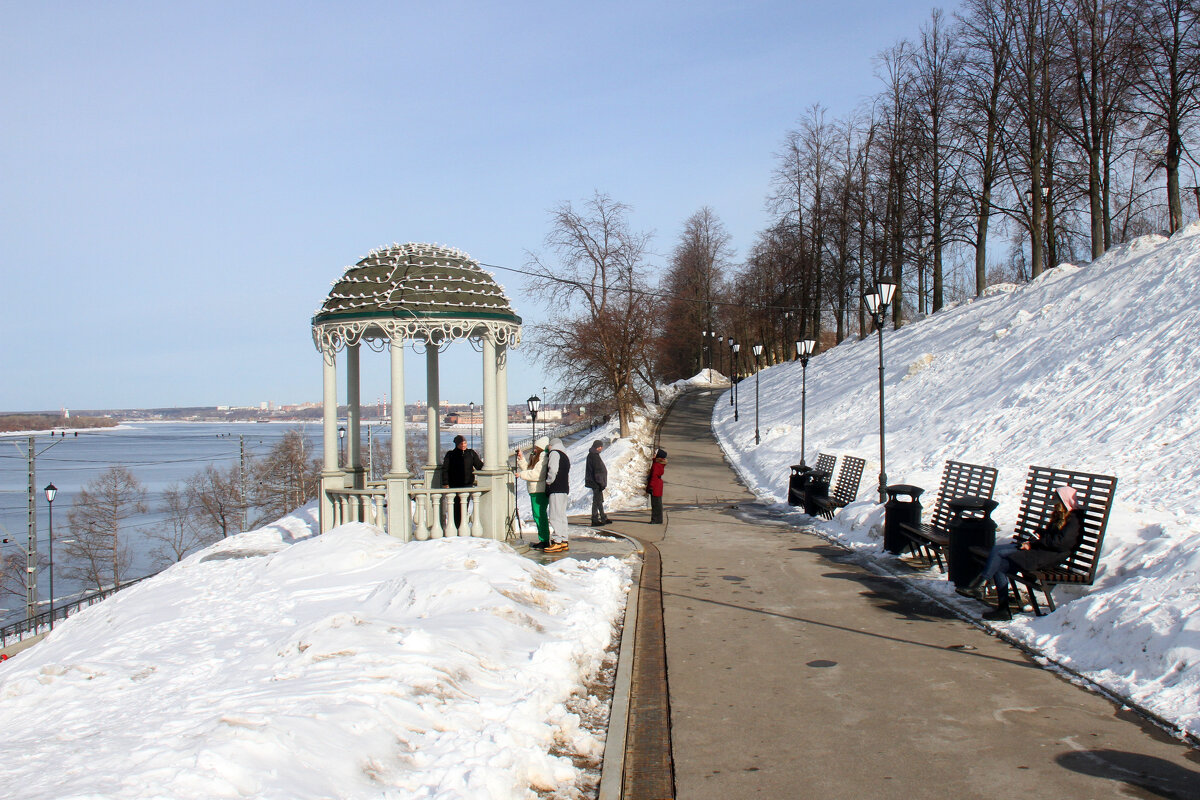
(538, 503)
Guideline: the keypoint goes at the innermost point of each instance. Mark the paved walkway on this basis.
(796, 672)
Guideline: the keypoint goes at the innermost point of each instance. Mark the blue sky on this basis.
(182, 181)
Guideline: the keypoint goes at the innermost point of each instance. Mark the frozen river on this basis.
(158, 454)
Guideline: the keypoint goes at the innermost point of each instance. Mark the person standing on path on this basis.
(558, 471)
(533, 472)
(655, 486)
(458, 471)
(595, 477)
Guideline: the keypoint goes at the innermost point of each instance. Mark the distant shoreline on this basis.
(45, 423)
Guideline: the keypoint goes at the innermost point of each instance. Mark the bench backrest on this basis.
(825, 463)
(961, 480)
(849, 476)
(1037, 505)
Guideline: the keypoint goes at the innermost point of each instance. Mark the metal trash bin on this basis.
(798, 483)
(897, 512)
(818, 487)
(971, 525)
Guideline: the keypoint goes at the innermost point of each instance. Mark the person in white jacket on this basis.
(533, 472)
(558, 492)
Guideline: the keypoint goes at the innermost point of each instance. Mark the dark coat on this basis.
(1052, 545)
(458, 468)
(595, 473)
(655, 484)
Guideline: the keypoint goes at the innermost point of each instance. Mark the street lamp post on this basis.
(733, 385)
(342, 445)
(471, 426)
(51, 491)
(758, 348)
(877, 304)
(736, 348)
(534, 404)
(804, 349)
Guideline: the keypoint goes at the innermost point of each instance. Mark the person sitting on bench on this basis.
(1053, 543)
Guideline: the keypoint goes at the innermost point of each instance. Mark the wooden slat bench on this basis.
(845, 490)
(958, 480)
(1095, 492)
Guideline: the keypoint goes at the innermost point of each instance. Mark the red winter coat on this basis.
(655, 486)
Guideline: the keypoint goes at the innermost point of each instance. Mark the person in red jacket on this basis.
(655, 486)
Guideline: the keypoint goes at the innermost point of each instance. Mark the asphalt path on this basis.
(795, 671)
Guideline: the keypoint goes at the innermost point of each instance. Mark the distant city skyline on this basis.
(183, 181)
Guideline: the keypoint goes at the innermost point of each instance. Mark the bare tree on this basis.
(286, 478)
(985, 28)
(1169, 31)
(179, 534)
(1098, 39)
(693, 284)
(98, 552)
(597, 286)
(216, 496)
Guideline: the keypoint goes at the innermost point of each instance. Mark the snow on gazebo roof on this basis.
(415, 291)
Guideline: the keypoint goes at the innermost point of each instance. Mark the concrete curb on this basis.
(613, 768)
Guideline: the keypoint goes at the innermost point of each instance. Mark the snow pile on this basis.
(1090, 368)
(278, 663)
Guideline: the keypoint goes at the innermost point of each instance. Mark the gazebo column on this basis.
(331, 476)
(510, 479)
(494, 506)
(433, 478)
(399, 518)
(355, 474)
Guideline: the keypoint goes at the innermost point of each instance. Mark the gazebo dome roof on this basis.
(415, 290)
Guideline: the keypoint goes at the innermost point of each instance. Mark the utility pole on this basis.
(242, 477)
(31, 552)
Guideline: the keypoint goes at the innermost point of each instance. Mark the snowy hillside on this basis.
(1093, 368)
(278, 663)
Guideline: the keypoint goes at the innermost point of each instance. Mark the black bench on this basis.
(845, 490)
(1095, 493)
(958, 480)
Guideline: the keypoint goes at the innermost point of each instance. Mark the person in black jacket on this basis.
(1053, 543)
(595, 477)
(458, 470)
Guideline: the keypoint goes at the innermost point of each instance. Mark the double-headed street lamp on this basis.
(535, 405)
(804, 350)
(877, 303)
(51, 491)
(758, 348)
(736, 348)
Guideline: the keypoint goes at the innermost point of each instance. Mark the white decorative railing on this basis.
(359, 505)
(431, 511)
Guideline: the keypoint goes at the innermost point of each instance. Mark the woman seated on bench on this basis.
(1052, 544)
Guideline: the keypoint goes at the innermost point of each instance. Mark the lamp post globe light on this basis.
(877, 303)
(51, 491)
(711, 354)
(758, 348)
(736, 348)
(804, 350)
(535, 405)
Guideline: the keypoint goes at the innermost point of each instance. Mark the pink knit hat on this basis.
(1069, 497)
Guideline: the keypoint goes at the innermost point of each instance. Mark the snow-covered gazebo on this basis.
(428, 295)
